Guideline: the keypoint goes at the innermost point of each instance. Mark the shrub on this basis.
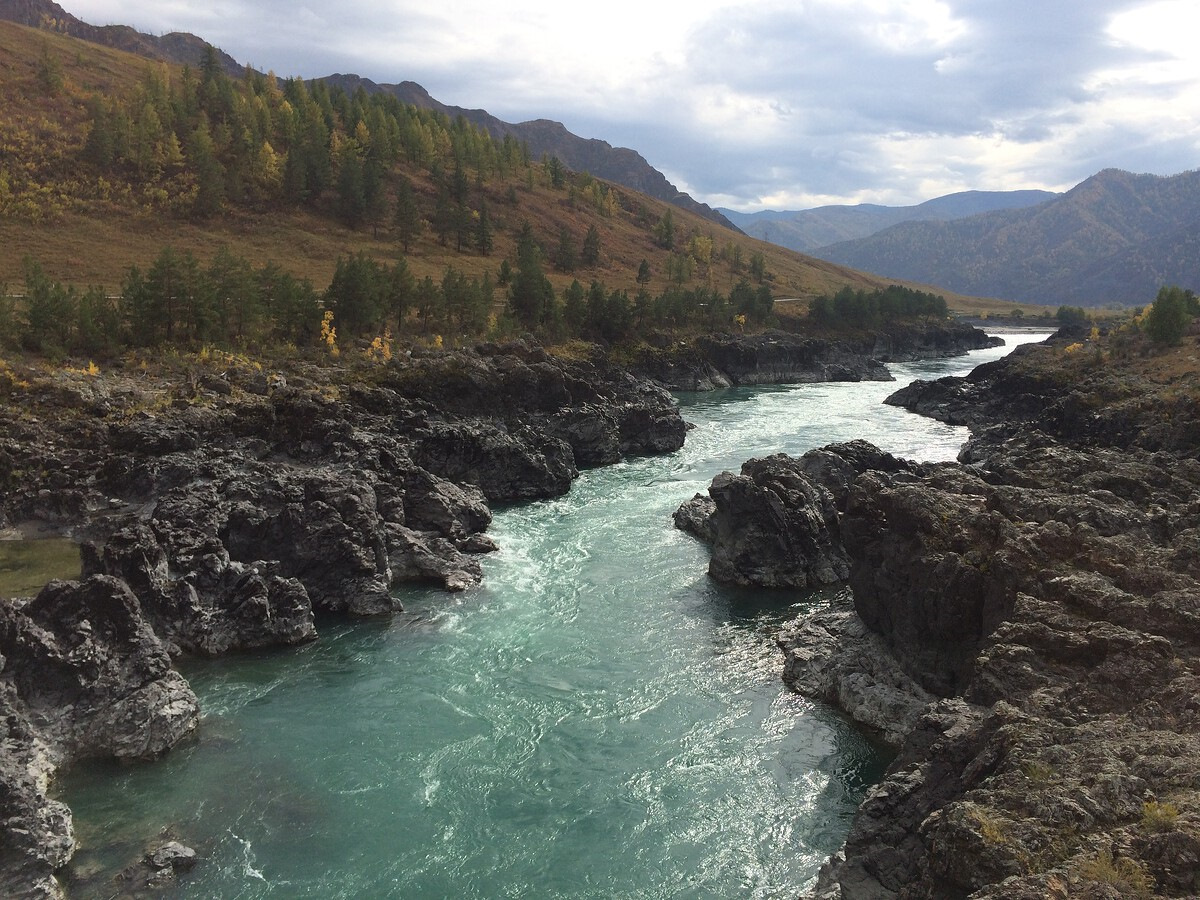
(1127, 875)
(1159, 817)
(1169, 316)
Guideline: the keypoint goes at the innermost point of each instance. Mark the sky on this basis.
(770, 105)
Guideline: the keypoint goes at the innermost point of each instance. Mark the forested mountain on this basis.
(808, 229)
(1114, 239)
(143, 201)
(175, 47)
(622, 165)
(547, 138)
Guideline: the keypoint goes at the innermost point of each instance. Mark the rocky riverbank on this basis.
(1024, 627)
(717, 361)
(224, 507)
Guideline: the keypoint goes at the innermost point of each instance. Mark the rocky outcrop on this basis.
(1026, 622)
(832, 656)
(905, 342)
(223, 508)
(776, 523)
(778, 357)
(83, 674)
(775, 357)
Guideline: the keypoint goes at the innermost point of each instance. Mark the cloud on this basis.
(755, 103)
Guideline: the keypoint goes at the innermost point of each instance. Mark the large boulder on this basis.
(81, 674)
(84, 660)
(770, 526)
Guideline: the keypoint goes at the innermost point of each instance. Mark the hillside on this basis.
(1113, 240)
(86, 223)
(621, 165)
(547, 138)
(806, 230)
(174, 47)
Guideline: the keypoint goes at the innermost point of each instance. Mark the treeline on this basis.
(871, 309)
(179, 302)
(204, 139)
(595, 313)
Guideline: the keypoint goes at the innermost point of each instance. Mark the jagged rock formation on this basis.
(1024, 629)
(83, 675)
(223, 509)
(778, 357)
(776, 524)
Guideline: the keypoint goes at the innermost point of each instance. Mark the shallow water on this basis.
(27, 565)
(598, 720)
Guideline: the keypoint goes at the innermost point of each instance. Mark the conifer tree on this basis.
(530, 294)
(566, 258)
(591, 247)
(484, 239)
(407, 219)
(210, 175)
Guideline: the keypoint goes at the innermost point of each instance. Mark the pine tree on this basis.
(530, 295)
(407, 220)
(351, 186)
(401, 291)
(210, 175)
(591, 247)
(484, 240)
(664, 231)
(566, 257)
(100, 148)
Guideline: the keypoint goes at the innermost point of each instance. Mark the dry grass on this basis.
(88, 241)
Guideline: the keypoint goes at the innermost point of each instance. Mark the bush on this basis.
(1169, 316)
(1158, 817)
(1071, 316)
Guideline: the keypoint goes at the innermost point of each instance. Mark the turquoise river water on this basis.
(598, 720)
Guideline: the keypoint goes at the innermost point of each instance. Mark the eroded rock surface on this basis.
(1026, 631)
(83, 675)
(223, 509)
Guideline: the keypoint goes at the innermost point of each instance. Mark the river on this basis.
(597, 720)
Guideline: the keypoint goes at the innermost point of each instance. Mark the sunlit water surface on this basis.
(598, 720)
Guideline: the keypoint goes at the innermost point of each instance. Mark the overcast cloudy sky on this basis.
(770, 105)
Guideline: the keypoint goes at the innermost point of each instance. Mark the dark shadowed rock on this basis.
(81, 674)
(769, 526)
(222, 510)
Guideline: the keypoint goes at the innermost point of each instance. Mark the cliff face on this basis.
(1025, 628)
(224, 507)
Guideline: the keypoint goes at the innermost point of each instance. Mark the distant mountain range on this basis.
(544, 137)
(807, 229)
(1114, 239)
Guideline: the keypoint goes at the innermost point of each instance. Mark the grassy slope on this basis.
(93, 240)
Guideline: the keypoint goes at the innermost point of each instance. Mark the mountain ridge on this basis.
(547, 137)
(806, 230)
(597, 157)
(174, 47)
(1114, 239)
